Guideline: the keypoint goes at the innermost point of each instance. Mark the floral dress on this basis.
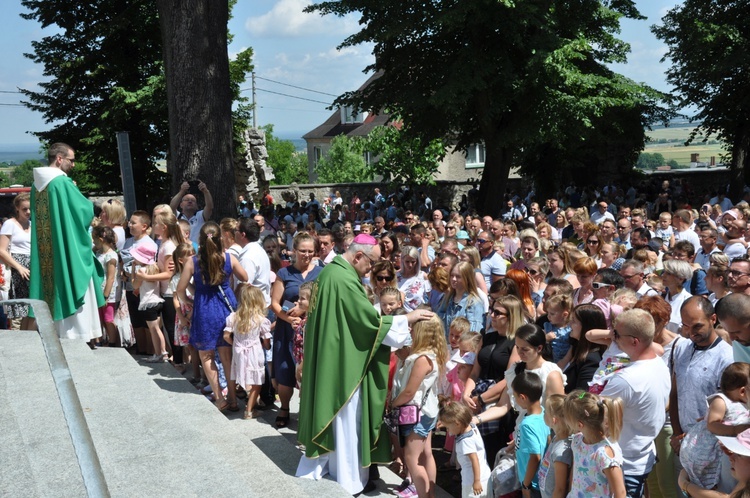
(700, 454)
(589, 463)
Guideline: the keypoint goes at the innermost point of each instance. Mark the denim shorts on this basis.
(421, 428)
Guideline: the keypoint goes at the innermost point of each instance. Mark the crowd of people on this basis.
(599, 341)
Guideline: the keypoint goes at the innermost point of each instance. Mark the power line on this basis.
(13, 105)
(295, 110)
(292, 96)
(8, 91)
(294, 86)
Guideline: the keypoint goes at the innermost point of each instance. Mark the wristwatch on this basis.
(685, 489)
(523, 486)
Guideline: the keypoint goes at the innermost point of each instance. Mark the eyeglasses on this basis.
(592, 242)
(482, 241)
(386, 278)
(737, 273)
(617, 335)
(599, 285)
(71, 159)
(629, 276)
(496, 313)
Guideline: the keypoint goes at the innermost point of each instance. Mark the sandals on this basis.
(221, 405)
(398, 468)
(282, 422)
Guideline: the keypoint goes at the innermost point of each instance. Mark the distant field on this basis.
(675, 148)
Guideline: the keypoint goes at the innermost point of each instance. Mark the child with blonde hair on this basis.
(249, 332)
(390, 299)
(554, 471)
(597, 459)
(415, 392)
(303, 304)
(469, 449)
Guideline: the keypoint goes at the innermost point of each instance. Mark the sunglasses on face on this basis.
(496, 313)
(482, 241)
(381, 278)
(592, 242)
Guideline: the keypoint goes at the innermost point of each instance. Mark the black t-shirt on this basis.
(494, 356)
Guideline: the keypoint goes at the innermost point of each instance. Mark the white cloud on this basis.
(287, 19)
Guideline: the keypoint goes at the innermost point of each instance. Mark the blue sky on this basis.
(290, 47)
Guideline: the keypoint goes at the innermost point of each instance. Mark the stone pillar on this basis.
(252, 173)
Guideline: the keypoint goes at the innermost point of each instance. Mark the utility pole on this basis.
(255, 105)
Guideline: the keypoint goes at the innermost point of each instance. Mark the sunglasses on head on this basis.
(381, 278)
(599, 285)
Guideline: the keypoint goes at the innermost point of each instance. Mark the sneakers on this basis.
(409, 492)
(401, 487)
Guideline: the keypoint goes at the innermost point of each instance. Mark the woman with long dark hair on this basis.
(211, 271)
(584, 355)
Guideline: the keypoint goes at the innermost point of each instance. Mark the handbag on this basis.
(404, 415)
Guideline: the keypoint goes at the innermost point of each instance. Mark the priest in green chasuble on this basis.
(64, 271)
(345, 371)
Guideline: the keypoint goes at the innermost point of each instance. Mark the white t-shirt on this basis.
(20, 240)
(104, 259)
(690, 236)
(494, 264)
(120, 233)
(732, 251)
(258, 267)
(196, 222)
(644, 388)
(675, 319)
(166, 249)
(466, 444)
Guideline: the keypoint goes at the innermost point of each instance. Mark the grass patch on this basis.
(674, 147)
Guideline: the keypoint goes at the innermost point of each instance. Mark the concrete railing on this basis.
(83, 444)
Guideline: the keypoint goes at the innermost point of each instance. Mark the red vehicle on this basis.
(7, 194)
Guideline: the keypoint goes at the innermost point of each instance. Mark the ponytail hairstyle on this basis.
(211, 254)
(453, 412)
(173, 231)
(106, 234)
(601, 414)
(535, 336)
(555, 408)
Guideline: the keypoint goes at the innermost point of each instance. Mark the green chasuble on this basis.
(62, 259)
(343, 352)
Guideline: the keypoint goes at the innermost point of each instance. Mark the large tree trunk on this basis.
(194, 39)
(497, 164)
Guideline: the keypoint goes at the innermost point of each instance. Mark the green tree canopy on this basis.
(509, 74)
(402, 158)
(23, 174)
(104, 75)
(344, 162)
(289, 166)
(647, 160)
(709, 51)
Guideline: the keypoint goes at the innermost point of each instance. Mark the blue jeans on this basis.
(635, 485)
